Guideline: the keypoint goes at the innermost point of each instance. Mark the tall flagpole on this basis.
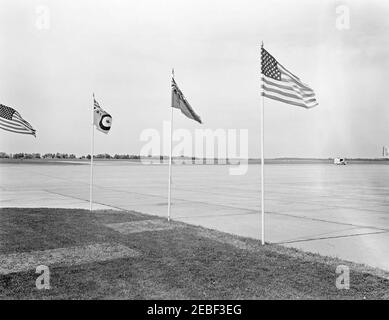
(262, 158)
(170, 157)
(91, 161)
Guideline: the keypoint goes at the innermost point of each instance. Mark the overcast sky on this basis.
(124, 51)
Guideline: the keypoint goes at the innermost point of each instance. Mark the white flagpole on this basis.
(262, 159)
(170, 158)
(91, 161)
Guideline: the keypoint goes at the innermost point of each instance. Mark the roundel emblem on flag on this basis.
(105, 122)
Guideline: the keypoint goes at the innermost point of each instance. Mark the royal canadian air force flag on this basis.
(102, 120)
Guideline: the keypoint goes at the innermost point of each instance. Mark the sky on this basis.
(56, 53)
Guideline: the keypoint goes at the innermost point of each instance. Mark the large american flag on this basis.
(11, 120)
(180, 102)
(280, 84)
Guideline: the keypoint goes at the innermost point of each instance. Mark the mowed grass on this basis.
(186, 262)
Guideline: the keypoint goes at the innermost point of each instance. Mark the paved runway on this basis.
(338, 211)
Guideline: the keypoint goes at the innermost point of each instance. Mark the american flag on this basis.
(179, 102)
(11, 120)
(280, 84)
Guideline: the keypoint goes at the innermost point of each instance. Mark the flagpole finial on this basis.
(261, 44)
(172, 72)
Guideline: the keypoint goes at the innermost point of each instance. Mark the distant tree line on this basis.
(21, 155)
(58, 156)
(4, 155)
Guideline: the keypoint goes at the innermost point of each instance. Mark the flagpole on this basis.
(170, 159)
(262, 158)
(91, 162)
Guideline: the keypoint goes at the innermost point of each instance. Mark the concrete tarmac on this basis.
(339, 211)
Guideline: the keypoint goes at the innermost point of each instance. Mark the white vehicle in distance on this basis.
(340, 161)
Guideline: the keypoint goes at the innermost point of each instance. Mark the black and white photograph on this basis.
(191, 155)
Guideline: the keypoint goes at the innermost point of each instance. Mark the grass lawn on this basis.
(182, 262)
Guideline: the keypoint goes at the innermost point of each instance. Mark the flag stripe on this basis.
(12, 126)
(18, 117)
(291, 90)
(293, 78)
(280, 98)
(16, 131)
(17, 123)
(285, 86)
(291, 94)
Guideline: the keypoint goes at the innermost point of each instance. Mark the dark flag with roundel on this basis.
(102, 119)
